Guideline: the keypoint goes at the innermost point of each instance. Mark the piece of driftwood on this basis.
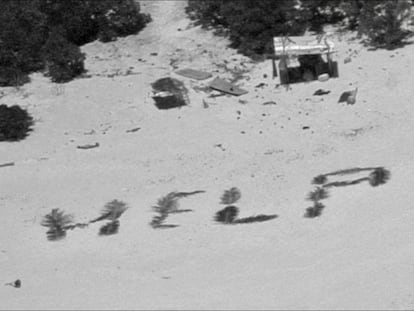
(133, 130)
(226, 87)
(320, 92)
(193, 74)
(88, 146)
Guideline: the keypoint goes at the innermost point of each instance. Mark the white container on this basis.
(323, 77)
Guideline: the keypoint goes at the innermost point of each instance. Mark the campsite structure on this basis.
(301, 58)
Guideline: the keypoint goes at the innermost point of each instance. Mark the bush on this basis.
(122, 18)
(251, 25)
(22, 34)
(27, 25)
(15, 123)
(381, 21)
(63, 59)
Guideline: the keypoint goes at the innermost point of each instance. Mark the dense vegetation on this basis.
(46, 34)
(15, 123)
(251, 25)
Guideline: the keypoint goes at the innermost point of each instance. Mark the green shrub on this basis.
(381, 21)
(122, 18)
(63, 59)
(28, 25)
(251, 25)
(15, 123)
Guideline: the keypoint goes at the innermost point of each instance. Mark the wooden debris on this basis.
(321, 92)
(133, 130)
(88, 146)
(349, 97)
(226, 87)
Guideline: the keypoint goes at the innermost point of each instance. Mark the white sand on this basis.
(358, 255)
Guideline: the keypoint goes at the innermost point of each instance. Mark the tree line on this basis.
(45, 35)
(251, 24)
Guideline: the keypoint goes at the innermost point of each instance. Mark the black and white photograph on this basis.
(206, 154)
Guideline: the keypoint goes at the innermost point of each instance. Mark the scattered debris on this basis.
(269, 103)
(7, 164)
(321, 92)
(220, 146)
(91, 132)
(88, 146)
(349, 97)
(15, 284)
(193, 74)
(133, 130)
(261, 85)
(226, 87)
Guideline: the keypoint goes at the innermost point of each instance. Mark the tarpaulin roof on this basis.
(302, 45)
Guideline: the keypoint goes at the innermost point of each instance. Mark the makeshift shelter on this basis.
(302, 58)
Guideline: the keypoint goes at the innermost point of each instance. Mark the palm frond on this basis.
(110, 228)
(57, 219)
(257, 218)
(56, 234)
(318, 194)
(227, 215)
(57, 222)
(319, 180)
(315, 210)
(112, 211)
(166, 204)
(379, 177)
(231, 196)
